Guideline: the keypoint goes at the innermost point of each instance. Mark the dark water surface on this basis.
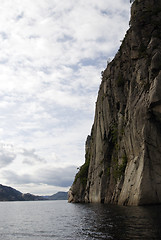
(59, 220)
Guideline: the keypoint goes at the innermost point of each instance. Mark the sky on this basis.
(52, 53)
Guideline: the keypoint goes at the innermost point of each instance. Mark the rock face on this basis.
(123, 153)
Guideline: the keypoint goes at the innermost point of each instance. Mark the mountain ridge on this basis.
(10, 194)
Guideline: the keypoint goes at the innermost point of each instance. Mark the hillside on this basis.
(11, 194)
(58, 196)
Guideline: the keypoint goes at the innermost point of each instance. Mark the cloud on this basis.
(31, 157)
(60, 177)
(7, 156)
(52, 55)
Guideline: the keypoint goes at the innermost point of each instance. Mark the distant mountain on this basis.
(31, 197)
(11, 194)
(58, 196)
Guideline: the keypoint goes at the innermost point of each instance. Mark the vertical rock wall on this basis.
(123, 157)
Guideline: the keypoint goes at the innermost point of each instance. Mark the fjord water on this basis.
(58, 220)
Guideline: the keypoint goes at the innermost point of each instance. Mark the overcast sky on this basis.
(52, 53)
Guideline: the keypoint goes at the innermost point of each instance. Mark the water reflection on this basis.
(100, 221)
(56, 220)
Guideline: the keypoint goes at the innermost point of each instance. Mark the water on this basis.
(58, 220)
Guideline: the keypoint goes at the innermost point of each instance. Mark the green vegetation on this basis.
(122, 131)
(118, 170)
(108, 171)
(114, 133)
(120, 80)
(156, 11)
(83, 173)
(122, 167)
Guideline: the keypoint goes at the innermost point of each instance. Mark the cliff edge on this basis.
(123, 153)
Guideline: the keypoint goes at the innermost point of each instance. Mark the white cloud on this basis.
(7, 154)
(58, 177)
(52, 55)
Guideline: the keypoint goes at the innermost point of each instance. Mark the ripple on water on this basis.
(56, 220)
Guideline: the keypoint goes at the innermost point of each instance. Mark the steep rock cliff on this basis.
(123, 153)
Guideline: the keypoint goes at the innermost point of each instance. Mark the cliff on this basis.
(123, 153)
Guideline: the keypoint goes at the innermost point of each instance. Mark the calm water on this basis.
(61, 220)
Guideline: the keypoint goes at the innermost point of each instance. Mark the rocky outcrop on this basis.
(123, 156)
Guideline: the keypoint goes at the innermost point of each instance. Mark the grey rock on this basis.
(123, 154)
